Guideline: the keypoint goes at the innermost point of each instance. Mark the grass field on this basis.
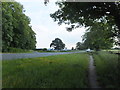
(60, 71)
(107, 69)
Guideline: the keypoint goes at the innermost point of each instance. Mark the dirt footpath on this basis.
(92, 74)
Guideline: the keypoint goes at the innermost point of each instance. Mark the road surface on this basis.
(11, 56)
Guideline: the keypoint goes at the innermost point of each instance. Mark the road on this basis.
(11, 56)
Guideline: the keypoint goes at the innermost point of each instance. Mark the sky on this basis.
(45, 28)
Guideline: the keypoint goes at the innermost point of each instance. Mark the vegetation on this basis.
(18, 50)
(86, 14)
(57, 44)
(16, 29)
(113, 50)
(46, 51)
(80, 46)
(61, 71)
(99, 36)
(107, 67)
(101, 19)
(72, 48)
(58, 51)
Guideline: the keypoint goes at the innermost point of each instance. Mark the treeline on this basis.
(16, 29)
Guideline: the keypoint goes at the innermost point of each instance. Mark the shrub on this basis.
(14, 50)
(44, 49)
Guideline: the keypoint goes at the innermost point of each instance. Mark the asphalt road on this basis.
(11, 56)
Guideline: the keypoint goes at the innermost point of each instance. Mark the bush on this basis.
(44, 49)
(14, 50)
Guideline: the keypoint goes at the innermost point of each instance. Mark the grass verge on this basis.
(113, 51)
(107, 69)
(61, 71)
(58, 51)
(17, 50)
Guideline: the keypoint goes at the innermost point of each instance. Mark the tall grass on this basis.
(107, 69)
(61, 71)
(17, 50)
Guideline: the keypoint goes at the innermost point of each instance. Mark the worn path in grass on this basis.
(92, 74)
(11, 56)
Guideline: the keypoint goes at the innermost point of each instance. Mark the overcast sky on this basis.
(45, 28)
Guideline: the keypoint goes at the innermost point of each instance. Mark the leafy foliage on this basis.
(16, 31)
(99, 36)
(103, 15)
(80, 46)
(57, 44)
(18, 50)
(85, 13)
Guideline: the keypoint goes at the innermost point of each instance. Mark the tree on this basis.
(72, 48)
(86, 13)
(57, 44)
(16, 31)
(80, 46)
(99, 36)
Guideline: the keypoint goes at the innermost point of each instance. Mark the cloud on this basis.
(45, 36)
(46, 30)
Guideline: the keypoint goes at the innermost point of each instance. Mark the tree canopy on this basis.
(16, 29)
(99, 36)
(57, 44)
(104, 16)
(85, 13)
(80, 46)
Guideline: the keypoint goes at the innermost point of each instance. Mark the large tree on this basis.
(16, 29)
(99, 36)
(86, 13)
(57, 44)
